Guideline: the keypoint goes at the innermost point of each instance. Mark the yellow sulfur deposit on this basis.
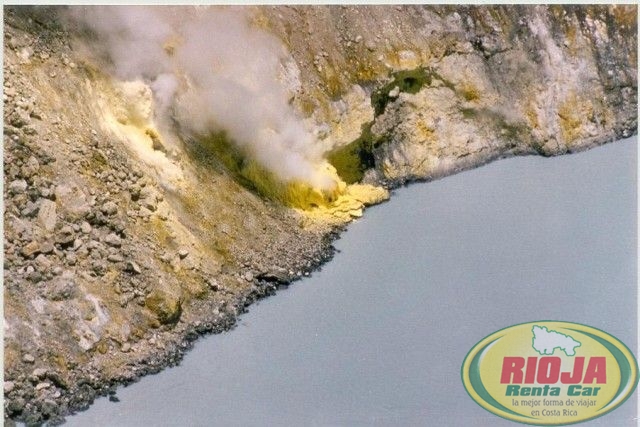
(350, 203)
(128, 114)
(293, 193)
(342, 203)
(126, 109)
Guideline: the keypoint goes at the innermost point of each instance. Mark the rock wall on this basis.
(120, 250)
(439, 89)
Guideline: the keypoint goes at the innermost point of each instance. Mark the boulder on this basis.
(47, 215)
(109, 208)
(18, 186)
(72, 201)
(112, 239)
(166, 306)
(65, 236)
(31, 248)
(61, 288)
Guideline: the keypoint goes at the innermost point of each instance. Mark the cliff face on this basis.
(439, 89)
(122, 244)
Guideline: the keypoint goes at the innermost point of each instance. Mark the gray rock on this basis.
(16, 405)
(30, 210)
(276, 275)
(213, 284)
(65, 236)
(99, 267)
(46, 247)
(43, 262)
(93, 244)
(31, 167)
(85, 227)
(39, 373)
(61, 288)
(109, 208)
(150, 203)
(118, 225)
(183, 253)
(9, 386)
(77, 243)
(83, 252)
(19, 119)
(71, 258)
(14, 43)
(42, 386)
(47, 216)
(18, 186)
(49, 408)
(27, 358)
(113, 240)
(115, 258)
(149, 198)
(144, 212)
(72, 201)
(133, 267)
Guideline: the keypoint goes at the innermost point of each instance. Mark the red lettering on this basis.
(548, 370)
(512, 370)
(596, 370)
(530, 373)
(578, 366)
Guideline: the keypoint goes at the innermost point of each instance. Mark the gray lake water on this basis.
(379, 335)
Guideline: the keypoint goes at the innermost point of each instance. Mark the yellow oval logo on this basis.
(550, 373)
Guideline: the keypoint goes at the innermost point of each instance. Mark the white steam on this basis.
(211, 70)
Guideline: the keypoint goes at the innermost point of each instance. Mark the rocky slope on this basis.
(121, 248)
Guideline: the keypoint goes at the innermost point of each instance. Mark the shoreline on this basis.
(193, 334)
(190, 334)
(181, 338)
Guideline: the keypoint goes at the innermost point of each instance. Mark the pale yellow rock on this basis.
(367, 194)
(349, 204)
(127, 111)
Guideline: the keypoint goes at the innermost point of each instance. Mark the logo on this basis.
(550, 373)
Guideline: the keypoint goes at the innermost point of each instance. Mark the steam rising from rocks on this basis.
(211, 70)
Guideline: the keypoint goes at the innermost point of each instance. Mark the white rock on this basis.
(85, 227)
(47, 215)
(72, 201)
(18, 186)
(113, 240)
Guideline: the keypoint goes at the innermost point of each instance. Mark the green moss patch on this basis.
(216, 151)
(409, 81)
(352, 160)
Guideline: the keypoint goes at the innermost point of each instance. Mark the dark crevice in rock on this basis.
(409, 81)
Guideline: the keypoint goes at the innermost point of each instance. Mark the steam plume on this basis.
(211, 70)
